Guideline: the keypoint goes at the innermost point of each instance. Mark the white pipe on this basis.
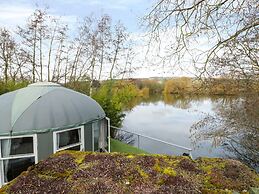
(155, 139)
(109, 134)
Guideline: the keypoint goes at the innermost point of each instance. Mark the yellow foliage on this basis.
(179, 86)
(169, 171)
(142, 173)
(144, 92)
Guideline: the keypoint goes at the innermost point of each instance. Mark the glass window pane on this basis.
(68, 137)
(17, 146)
(103, 135)
(14, 167)
(96, 129)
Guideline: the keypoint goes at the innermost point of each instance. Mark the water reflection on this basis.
(235, 125)
(150, 99)
(213, 126)
(178, 101)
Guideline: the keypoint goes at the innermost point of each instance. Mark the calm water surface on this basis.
(171, 119)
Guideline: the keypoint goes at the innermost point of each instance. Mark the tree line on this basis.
(45, 49)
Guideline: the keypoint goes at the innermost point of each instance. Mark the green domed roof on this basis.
(45, 106)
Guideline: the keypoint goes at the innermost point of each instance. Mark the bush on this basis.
(181, 85)
(79, 86)
(11, 86)
(154, 86)
(113, 97)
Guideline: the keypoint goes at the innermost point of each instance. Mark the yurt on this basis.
(44, 118)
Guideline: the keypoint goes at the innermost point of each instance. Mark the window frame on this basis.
(108, 133)
(81, 143)
(17, 156)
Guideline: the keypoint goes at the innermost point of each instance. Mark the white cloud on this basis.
(11, 16)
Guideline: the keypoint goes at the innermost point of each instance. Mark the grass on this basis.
(117, 146)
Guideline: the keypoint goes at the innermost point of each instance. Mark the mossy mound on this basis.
(85, 172)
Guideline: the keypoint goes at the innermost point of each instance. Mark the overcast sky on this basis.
(15, 12)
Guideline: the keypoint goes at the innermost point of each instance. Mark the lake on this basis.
(204, 124)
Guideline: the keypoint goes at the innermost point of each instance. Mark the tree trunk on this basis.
(49, 55)
(5, 63)
(114, 61)
(41, 63)
(101, 65)
(92, 76)
(34, 58)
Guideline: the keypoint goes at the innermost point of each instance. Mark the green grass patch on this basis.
(117, 146)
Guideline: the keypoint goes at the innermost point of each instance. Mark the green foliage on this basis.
(11, 86)
(113, 97)
(109, 102)
(124, 92)
(79, 86)
(153, 86)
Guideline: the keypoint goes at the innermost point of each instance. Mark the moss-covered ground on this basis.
(87, 172)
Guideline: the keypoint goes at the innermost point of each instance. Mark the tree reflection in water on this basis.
(233, 123)
(235, 126)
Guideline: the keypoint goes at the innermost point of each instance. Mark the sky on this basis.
(13, 12)
(129, 12)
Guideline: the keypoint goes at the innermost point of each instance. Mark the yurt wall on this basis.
(88, 137)
(45, 145)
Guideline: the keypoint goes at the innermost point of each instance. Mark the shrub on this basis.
(113, 97)
(11, 86)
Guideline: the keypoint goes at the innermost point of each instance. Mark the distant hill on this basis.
(85, 172)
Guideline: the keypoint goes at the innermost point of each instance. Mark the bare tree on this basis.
(60, 59)
(104, 39)
(7, 52)
(235, 125)
(128, 57)
(82, 47)
(220, 38)
(51, 36)
(229, 27)
(32, 37)
(47, 51)
(118, 43)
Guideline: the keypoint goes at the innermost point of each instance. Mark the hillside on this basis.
(85, 172)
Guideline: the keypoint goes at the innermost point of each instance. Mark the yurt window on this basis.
(103, 137)
(17, 154)
(69, 139)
